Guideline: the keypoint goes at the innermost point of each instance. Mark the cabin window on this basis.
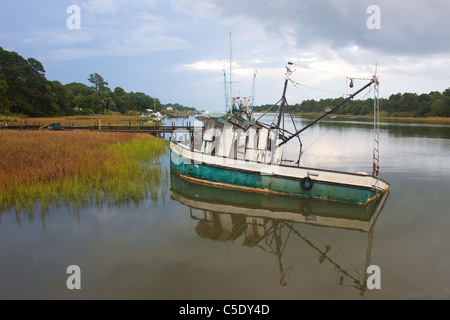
(251, 150)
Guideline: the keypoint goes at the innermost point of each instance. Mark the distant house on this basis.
(169, 108)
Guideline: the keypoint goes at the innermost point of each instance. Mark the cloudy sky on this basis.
(176, 50)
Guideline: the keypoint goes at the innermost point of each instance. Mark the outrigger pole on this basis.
(327, 113)
(283, 98)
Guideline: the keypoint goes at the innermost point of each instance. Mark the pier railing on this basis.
(156, 129)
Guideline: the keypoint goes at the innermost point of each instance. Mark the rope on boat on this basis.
(296, 84)
(316, 140)
(268, 110)
(348, 79)
(329, 72)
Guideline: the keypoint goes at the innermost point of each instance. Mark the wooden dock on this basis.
(159, 131)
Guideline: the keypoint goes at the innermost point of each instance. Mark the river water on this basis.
(195, 242)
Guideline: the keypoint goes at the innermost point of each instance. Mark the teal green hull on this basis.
(211, 195)
(269, 183)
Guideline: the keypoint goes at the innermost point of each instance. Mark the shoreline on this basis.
(139, 121)
(429, 120)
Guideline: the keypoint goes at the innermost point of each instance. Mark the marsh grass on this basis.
(78, 168)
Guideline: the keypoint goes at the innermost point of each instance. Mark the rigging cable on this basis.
(268, 110)
(304, 150)
(299, 139)
(336, 74)
(367, 93)
(342, 252)
(296, 84)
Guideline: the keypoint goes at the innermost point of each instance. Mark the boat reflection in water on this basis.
(268, 221)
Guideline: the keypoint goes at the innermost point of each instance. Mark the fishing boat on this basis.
(235, 150)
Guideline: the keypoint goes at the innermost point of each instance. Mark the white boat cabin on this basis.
(230, 136)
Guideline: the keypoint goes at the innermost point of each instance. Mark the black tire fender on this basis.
(306, 183)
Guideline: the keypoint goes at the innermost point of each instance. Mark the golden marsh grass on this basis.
(77, 167)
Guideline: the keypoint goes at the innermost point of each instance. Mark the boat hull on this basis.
(285, 208)
(260, 177)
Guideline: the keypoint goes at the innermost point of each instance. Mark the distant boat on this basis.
(149, 113)
(235, 150)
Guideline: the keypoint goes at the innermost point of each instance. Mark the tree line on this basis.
(433, 104)
(25, 90)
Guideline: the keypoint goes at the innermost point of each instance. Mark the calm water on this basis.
(202, 243)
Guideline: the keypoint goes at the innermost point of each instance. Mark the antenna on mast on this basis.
(253, 90)
(226, 90)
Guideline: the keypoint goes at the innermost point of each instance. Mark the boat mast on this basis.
(226, 90)
(283, 98)
(253, 91)
(231, 76)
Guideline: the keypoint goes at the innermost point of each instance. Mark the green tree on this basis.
(63, 98)
(27, 88)
(438, 104)
(37, 67)
(4, 101)
(121, 100)
(99, 84)
(79, 88)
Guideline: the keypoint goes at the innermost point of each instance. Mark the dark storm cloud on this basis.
(407, 27)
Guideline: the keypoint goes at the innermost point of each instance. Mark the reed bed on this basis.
(75, 168)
